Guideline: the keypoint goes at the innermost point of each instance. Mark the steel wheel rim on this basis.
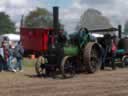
(68, 68)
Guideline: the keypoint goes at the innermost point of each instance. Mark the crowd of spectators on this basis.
(11, 56)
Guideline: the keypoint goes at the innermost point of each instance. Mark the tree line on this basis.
(42, 18)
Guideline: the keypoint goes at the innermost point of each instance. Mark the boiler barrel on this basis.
(71, 51)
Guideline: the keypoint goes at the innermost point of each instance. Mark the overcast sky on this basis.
(70, 10)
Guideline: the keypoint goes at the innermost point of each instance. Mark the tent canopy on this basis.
(12, 37)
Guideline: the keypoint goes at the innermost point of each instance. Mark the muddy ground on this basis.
(102, 83)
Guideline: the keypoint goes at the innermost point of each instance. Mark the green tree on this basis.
(126, 28)
(6, 25)
(39, 18)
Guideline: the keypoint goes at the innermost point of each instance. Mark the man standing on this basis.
(19, 51)
(1, 59)
(5, 56)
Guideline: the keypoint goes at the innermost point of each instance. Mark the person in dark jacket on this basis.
(4, 59)
(1, 59)
(19, 51)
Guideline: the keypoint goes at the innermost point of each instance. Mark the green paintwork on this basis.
(119, 51)
(77, 41)
(71, 50)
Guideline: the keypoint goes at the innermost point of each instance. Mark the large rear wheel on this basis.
(92, 57)
(67, 68)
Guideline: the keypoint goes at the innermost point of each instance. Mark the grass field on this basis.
(27, 62)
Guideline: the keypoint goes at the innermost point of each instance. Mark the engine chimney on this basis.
(56, 19)
(120, 31)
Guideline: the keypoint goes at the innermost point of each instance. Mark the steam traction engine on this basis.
(56, 54)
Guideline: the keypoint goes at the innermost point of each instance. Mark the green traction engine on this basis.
(80, 53)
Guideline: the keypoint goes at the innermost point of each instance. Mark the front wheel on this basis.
(40, 66)
(67, 68)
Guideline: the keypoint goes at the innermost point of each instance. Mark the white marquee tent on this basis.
(11, 37)
(97, 35)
